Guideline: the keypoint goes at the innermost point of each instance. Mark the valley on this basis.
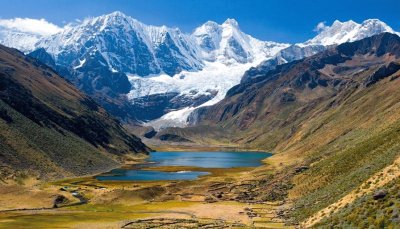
(108, 122)
(137, 204)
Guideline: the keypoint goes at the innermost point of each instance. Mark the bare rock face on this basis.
(150, 133)
(382, 73)
(173, 138)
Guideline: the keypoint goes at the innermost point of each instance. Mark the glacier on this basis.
(157, 60)
(197, 68)
(215, 76)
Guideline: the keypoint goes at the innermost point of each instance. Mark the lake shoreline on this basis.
(173, 165)
(221, 190)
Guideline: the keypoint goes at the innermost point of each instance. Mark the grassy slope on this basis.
(31, 148)
(345, 152)
(365, 211)
(344, 145)
(48, 127)
(344, 136)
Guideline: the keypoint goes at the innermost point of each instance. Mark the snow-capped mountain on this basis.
(226, 43)
(226, 53)
(22, 41)
(192, 69)
(161, 73)
(132, 47)
(341, 32)
(24, 33)
(337, 33)
(126, 44)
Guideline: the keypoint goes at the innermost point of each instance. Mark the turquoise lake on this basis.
(197, 159)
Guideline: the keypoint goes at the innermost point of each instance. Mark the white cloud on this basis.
(320, 26)
(29, 25)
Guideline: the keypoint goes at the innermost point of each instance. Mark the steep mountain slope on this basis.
(49, 128)
(125, 45)
(159, 74)
(226, 43)
(337, 33)
(210, 36)
(129, 46)
(332, 119)
(20, 40)
(183, 70)
(323, 75)
(379, 208)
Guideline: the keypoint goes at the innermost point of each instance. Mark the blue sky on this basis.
(283, 21)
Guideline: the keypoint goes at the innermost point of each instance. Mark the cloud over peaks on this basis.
(28, 25)
(320, 26)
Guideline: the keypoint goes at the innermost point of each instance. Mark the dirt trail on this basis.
(379, 179)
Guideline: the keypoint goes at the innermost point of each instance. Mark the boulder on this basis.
(301, 169)
(380, 194)
(60, 199)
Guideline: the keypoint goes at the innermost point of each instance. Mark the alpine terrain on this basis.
(332, 119)
(141, 72)
(51, 129)
(159, 74)
(108, 122)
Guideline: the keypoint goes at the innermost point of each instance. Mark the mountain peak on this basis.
(337, 23)
(374, 21)
(231, 22)
(116, 17)
(210, 27)
(377, 25)
(344, 23)
(116, 14)
(341, 32)
(211, 24)
(106, 20)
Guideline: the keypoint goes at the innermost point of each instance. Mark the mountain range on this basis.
(328, 109)
(159, 75)
(332, 120)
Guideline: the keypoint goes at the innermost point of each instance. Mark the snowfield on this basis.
(215, 76)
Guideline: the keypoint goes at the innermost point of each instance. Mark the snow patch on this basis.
(172, 119)
(81, 63)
